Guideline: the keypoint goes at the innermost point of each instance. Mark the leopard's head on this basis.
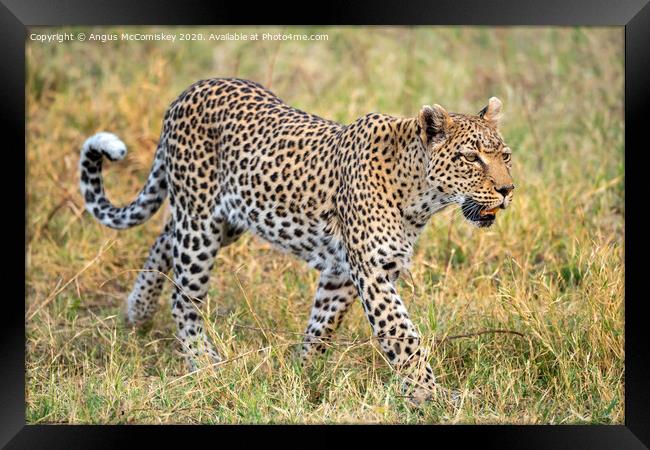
(468, 162)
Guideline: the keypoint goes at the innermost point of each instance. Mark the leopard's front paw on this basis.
(200, 354)
(140, 324)
(196, 362)
(419, 394)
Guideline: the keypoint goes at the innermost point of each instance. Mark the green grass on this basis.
(551, 268)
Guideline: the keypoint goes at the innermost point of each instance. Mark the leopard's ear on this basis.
(492, 111)
(434, 122)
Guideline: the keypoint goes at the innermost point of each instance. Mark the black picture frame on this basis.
(16, 15)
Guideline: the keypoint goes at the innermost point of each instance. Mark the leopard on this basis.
(351, 200)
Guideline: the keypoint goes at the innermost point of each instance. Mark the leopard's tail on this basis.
(139, 210)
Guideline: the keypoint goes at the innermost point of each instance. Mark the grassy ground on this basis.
(551, 268)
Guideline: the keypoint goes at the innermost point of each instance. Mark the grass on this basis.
(551, 268)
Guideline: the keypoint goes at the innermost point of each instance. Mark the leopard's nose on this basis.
(505, 189)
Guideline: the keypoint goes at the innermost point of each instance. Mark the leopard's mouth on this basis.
(478, 214)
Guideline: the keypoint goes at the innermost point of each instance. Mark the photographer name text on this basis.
(59, 38)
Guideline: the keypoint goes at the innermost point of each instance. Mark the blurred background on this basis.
(550, 272)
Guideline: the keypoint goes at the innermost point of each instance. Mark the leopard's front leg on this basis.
(396, 334)
(334, 296)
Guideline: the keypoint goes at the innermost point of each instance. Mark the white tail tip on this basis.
(108, 143)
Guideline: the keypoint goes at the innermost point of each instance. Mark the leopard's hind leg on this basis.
(196, 241)
(142, 302)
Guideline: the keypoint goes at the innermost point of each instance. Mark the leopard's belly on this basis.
(294, 231)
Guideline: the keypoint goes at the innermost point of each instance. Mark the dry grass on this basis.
(551, 268)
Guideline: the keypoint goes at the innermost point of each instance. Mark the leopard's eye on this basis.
(470, 157)
(506, 157)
